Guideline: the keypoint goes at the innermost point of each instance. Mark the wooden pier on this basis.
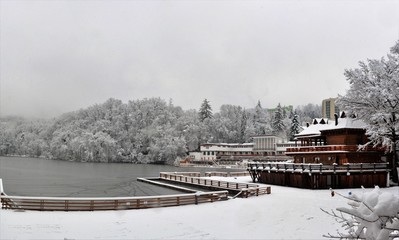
(238, 189)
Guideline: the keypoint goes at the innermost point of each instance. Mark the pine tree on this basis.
(243, 126)
(259, 120)
(295, 127)
(278, 123)
(205, 110)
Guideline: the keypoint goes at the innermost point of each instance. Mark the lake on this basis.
(45, 177)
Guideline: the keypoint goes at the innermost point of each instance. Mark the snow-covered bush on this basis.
(372, 215)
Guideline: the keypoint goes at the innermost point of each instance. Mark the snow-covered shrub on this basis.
(372, 215)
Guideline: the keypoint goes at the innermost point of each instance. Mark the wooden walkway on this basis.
(113, 203)
(238, 189)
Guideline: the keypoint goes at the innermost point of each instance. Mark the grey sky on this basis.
(60, 56)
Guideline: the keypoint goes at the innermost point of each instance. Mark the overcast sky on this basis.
(60, 56)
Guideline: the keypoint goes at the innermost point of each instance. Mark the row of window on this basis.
(212, 153)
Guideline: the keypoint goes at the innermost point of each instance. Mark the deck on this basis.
(244, 190)
(319, 176)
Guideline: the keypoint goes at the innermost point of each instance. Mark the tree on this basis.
(374, 97)
(278, 121)
(205, 110)
(373, 215)
(295, 127)
(260, 120)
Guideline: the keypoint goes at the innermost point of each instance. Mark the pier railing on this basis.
(318, 168)
(244, 189)
(117, 203)
(226, 174)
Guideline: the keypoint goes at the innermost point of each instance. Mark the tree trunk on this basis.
(394, 171)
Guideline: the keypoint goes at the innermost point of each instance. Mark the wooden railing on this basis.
(226, 174)
(319, 168)
(344, 148)
(121, 203)
(244, 189)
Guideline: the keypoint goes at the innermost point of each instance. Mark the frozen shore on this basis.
(287, 213)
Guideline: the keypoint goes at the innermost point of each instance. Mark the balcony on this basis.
(332, 148)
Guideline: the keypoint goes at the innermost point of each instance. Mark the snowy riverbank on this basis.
(287, 213)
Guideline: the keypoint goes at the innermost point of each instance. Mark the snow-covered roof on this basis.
(228, 144)
(343, 123)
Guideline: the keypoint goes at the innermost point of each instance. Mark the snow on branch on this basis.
(373, 215)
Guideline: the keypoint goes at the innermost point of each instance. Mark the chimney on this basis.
(336, 119)
(307, 124)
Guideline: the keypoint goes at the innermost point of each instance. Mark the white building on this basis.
(210, 151)
(195, 156)
(265, 145)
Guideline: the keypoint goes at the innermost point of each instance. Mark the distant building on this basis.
(262, 145)
(212, 151)
(265, 145)
(329, 108)
(195, 156)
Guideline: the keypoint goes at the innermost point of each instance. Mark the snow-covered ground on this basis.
(287, 213)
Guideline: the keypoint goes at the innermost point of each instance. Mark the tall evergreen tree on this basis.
(259, 120)
(243, 126)
(205, 110)
(295, 127)
(278, 121)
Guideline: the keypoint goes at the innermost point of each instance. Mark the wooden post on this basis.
(1, 187)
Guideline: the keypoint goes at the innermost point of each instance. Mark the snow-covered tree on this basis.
(373, 215)
(278, 121)
(374, 97)
(243, 126)
(205, 110)
(295, 126)
(260, 121)
(307, 113)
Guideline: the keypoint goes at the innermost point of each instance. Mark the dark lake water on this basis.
(44, 177)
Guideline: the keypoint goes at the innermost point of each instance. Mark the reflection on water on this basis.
(43, 177)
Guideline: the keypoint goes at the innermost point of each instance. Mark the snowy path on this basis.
(287, 213)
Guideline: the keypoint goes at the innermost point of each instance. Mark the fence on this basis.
(226, 174)
(243, 189)
(121, 203)
(318, 168)
(113, 203)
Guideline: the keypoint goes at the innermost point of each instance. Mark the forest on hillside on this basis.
(144, 131)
